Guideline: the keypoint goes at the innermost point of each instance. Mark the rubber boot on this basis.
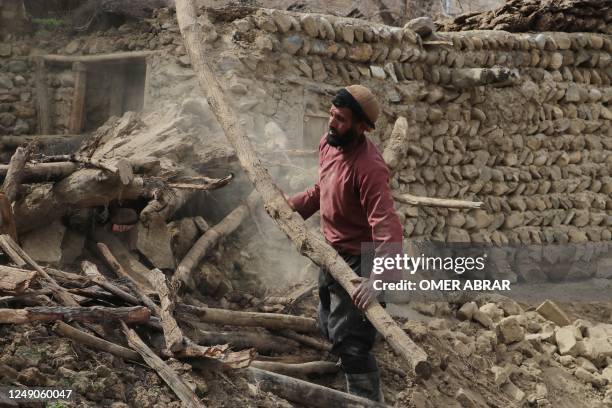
(366, 385)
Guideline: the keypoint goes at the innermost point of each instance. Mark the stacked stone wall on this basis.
(520, 122)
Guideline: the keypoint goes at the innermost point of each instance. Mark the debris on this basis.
(509, 330)
(552, 312)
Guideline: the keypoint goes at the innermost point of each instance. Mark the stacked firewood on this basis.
(536, 15)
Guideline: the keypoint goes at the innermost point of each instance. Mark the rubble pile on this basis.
(148, 219)
(550, 15)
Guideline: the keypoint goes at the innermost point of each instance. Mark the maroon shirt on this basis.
(354, 197)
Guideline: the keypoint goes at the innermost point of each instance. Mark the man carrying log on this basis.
(356, 207)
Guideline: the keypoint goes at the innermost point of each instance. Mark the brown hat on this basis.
(366, 99)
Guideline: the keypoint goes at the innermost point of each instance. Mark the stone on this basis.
(276, 138)
(565, 339)
(589, 378)
(597, 349)
(282, 20)
(360, 52)
(607, 374)
(423, 26)
(153, 241)
(466, 311)
(5, 50)
(292, 44)
(513, 391)
(73, 245)
(501, 375)
(494, 312)
(45, 244)
(72, 47)
(586, 364)
(5, 82)
(7, 119)
(549, 310)
(237, 87)
(17, 67)
(378, 72)
(309, 25)
(483, 318)
(509, 330)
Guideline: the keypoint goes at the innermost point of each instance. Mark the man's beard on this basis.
(335, 139)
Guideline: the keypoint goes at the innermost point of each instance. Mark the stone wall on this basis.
(535, 147)
(12, 17)
(520, 122)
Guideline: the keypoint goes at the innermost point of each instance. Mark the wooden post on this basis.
(78, 99)
(146, 99)
(42, 97)
(118, 82)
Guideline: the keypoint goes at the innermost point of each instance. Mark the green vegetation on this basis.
(48, 22)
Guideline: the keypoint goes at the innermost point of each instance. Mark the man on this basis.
(356, 206)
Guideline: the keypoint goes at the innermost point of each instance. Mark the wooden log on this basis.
(41, 172)
(134, 285)
(93, 342)
(42, 97)
(91, 271)
(83, 188)
(9, 245)
(6, 246)
(77, 114)
(312, 342)
(251, 319)
(172, 332)
(9, 142)
(233, 360)
(126, 259)
(134, 314)
(68, 278)
(164, 205)
(308, 243)
(304, 392)
(88, 59)
(436, 202)
(183, 275)
(12, 181)
(180, 388)
(14, 280)
(262, 342)
(7, 218)
(298, 370)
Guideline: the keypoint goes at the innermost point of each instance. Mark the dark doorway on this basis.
(113, 88)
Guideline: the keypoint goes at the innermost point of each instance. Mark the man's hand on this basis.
(364, 293)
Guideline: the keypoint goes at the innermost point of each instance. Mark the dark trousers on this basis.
(351, 333)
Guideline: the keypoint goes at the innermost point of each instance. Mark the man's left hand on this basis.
(364, 293)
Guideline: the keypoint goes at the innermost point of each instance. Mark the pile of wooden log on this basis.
(537, 15)
(81, 306)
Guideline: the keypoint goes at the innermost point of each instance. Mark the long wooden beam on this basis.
(436, 202)
(309, 244)
(114, 57)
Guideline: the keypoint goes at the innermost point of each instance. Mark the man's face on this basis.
(342, 126)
